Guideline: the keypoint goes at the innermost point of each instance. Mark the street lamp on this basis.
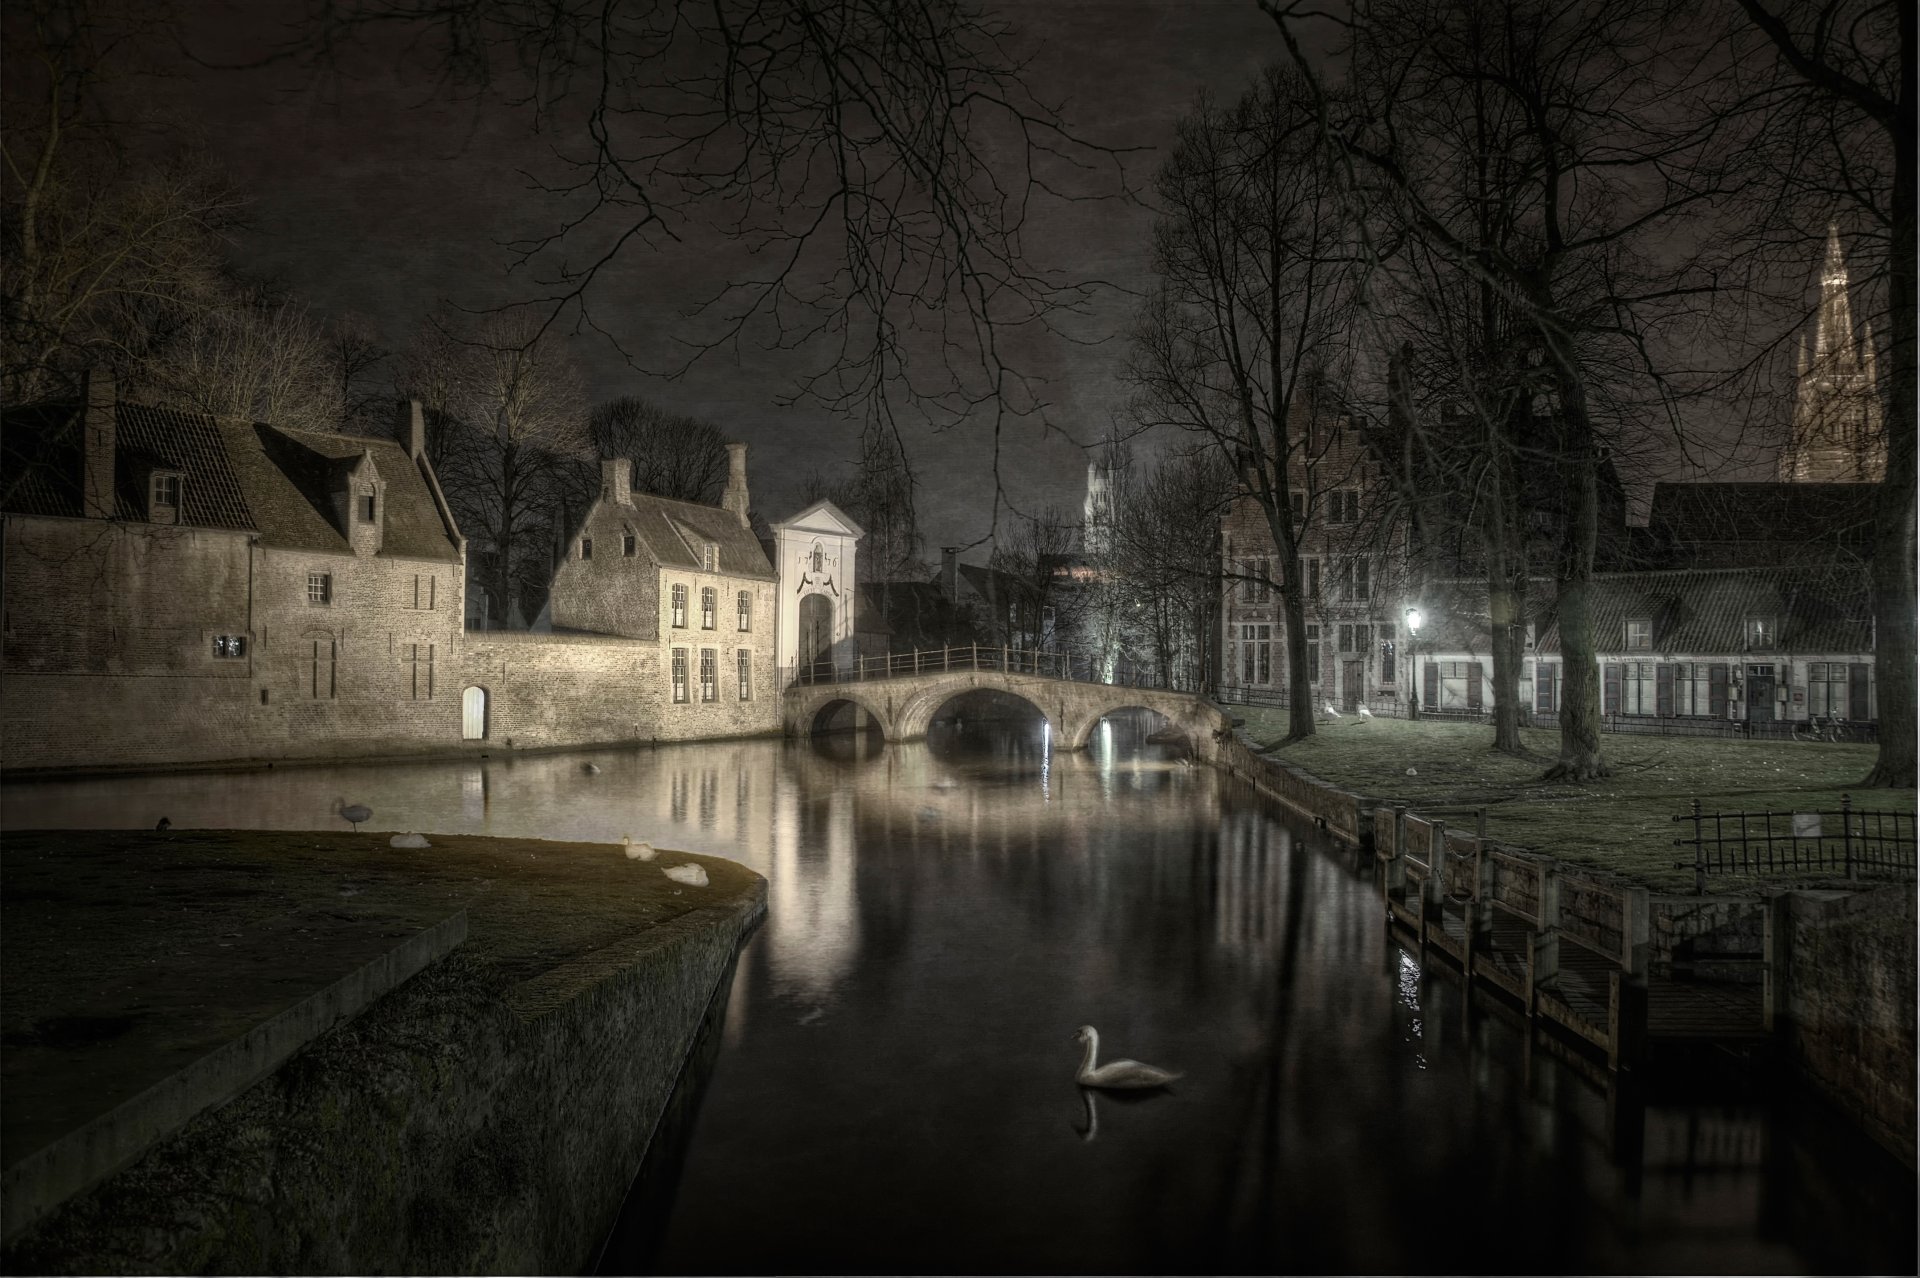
(1413, 662)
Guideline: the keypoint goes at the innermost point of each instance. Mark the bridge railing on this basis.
(1079, 666)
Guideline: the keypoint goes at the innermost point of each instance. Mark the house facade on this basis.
(1353, 560)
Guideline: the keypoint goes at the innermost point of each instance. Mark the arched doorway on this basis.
(816, 630)
(473, 714)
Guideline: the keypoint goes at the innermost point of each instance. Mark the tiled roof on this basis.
(673, 531)
(236, 474)
(1819, 608)
(44, 463)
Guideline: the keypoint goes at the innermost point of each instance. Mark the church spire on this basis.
(1834, 336)
(1838, 434)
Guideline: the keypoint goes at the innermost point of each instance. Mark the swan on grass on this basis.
(1365, 713)
(1331, 712)
(1116, 1074)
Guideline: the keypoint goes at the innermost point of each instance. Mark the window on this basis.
(679, 674)
(710, 557)
(1313, 578)
(1387, 654)
(709, 607)
(324, 674)
(423, 589)
(1637, 688)
(1246, 579)
(1361, 639)
(1362, 580)
(743, 661)
(163, 497)
(319, 587)
(680, 606)
(1639, 634)
(1256, 654)
(1827, 689)
(1297, 503)
(743, 611)
(420, 657)
(366, 505)
(709, 675)
(1346, 638)
(1762, 632)
(1343, 506)
(1313, 654)
(228, 647)
(1546, 687)
(586, 547)
(628, 544)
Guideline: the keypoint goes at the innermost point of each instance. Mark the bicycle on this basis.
(1829, 728)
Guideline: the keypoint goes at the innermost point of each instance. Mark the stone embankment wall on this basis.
(1850, 995)
(1846, 1015)
(447, 1130)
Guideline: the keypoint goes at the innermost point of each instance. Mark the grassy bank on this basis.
(1623, 823)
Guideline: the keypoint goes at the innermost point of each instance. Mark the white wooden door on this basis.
(473, 714)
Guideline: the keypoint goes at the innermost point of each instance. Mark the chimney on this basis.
(950, 573)
(735, 496)
(96, 476)
(616, 479)
(413, 429)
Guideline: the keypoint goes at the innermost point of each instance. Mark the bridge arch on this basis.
(917, 711)
(1076, 735)
(809, 717)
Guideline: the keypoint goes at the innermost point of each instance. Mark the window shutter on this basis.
(1858, 706)
(1432, 694)
(1473, 686)
(1663, 690)
(1611, 696)
(1543, 688)
(1717, 691)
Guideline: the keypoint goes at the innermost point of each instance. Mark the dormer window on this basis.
(1639, 634)
(628, 545)
(367, 506)
(710, 557)
(163, 497)
(1762, 632)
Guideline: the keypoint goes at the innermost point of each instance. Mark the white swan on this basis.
(1115, 1074)
(1365, 713)
(1331, 712)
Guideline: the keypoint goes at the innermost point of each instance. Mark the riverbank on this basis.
(486, 1115)
(1623, 823)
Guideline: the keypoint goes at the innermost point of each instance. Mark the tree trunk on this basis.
(1893, 530)
(1580, 706)
(1506, 575)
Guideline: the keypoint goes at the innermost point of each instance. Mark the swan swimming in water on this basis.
(1115, 1073)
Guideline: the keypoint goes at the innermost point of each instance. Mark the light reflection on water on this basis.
(893, 1089)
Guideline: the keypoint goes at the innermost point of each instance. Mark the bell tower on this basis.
(1838, 434)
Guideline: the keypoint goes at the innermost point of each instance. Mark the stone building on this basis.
(1838, 434)
(183, 588)
(1353, 561)
(692, 583)
(819, 618)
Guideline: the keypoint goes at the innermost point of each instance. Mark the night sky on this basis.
(378, 197)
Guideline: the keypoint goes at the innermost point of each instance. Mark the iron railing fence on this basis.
(1078, 666)
(1860, 731)
(1856, 843)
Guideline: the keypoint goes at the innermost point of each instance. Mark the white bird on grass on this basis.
(1365, 713)
(352, 815)
(641, 851)
(1331, 712)
(1115, 1074)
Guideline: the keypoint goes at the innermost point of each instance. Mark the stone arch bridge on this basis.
(902, 705)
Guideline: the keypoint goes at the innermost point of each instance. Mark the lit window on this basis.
(710, 557)
(709, 607)
(319, 587)
(1639, 634)
(679, 605)
(679, 674)
(745, 661)
(743, 603)
(709, 675)
(228, 647)
(163, 504)
(1762, 632)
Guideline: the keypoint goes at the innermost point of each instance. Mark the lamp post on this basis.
(1413, 663)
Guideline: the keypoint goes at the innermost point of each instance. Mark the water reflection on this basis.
(893, 1087)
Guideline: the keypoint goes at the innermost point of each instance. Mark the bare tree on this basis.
(100, 255)
(513, 444)
(256, 358)
(1248, 329)
(1164, 559)
(673, 454)
(1844, 91)
(1039, 608)
(875, 161)
(353, 354)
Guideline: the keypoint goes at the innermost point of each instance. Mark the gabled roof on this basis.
(44, 463)
(1819, 608)
(236, 474)
(674, 530)
(823, 512)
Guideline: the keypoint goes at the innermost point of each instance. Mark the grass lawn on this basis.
(1622, 823)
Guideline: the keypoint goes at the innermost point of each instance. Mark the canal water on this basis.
(889, 1086)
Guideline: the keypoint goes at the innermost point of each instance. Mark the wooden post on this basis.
(1394, 871)
(1543, 956)
(1481, 929)
(1636, 928)
(1699, 855)
(1777, 949)
(1626, 1019)
(946, 657)
(1846, 831)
